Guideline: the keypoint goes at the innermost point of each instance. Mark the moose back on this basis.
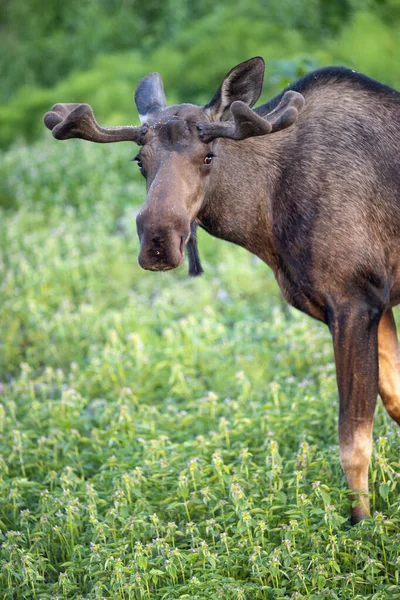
(310, 183)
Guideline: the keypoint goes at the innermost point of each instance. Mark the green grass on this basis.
(163, 437)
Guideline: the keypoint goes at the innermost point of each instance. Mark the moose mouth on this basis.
(160, 269)
(154, 258)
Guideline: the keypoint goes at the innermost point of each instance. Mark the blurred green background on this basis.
(95, 51)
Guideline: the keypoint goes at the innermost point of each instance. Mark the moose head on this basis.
(178, 155)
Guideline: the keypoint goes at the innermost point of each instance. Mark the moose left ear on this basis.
(244, 82)
(149, 95)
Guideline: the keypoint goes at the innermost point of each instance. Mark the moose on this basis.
(310, 183)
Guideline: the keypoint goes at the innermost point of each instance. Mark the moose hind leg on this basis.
(354, 329)
(389, 365)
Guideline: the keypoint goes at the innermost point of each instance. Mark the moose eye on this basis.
(208, 159)
(138, 162)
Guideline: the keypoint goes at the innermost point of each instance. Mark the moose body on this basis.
(310, 183)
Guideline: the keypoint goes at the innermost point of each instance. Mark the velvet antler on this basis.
(78, 121)
(247, 123)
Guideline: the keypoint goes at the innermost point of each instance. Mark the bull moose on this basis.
(310, 183)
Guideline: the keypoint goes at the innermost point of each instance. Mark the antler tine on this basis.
(248, 123)
(287, 111)
(78, 121)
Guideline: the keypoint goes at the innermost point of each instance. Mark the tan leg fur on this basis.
(389, 365)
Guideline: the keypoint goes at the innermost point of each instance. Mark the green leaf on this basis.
(384, 490)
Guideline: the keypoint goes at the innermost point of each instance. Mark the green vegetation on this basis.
(194, 60)
(42, 41)
(163, 437)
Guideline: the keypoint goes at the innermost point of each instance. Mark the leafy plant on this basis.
(164, 437)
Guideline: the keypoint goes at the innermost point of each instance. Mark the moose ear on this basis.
(244, 82)
(149, 95)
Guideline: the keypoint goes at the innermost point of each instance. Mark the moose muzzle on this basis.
(162, 247)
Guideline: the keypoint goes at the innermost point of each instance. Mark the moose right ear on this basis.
(149, 95)
(244, 82)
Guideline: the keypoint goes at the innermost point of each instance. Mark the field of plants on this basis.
(165, 437)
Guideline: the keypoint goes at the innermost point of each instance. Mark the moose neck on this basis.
(238, 202)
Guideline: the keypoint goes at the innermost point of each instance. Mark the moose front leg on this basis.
(389, 365)
(354, 332)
